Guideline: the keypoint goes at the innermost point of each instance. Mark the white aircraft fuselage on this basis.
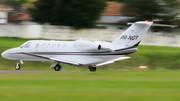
(67, 51)
(81, 52)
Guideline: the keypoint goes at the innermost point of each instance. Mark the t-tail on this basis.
(133, 35)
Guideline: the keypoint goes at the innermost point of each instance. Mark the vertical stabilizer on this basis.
(133, 35)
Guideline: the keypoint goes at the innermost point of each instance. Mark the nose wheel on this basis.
(92, 68)
(57, 67)
(17, 66)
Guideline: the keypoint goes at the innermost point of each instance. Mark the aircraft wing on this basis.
(52, 58)
(77, 60)
(112, 61)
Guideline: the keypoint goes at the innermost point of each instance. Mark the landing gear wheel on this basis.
(92, 68)
(17, 66)
(57, 67)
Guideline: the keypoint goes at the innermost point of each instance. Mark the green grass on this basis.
(134, 85)
(154, 57)
(120, 81)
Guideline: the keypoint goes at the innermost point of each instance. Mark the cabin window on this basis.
(48, 46)
(37, 45)
(27, 45)
(64, 45)
(59, 46)
(42, 45)
(53, 45)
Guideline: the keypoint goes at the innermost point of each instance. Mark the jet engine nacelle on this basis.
(83, 45)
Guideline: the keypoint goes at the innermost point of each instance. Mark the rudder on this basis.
(133, 35)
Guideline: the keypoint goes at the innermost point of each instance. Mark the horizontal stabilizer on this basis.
(159, 25)
(163, 25)
(140, 23)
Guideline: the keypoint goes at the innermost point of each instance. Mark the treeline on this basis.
(85, 13)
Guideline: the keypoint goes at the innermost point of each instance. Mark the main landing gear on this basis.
(57, 67)
(92, 68)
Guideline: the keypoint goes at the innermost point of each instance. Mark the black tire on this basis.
(57, 67)
(92, 68)
(17, 67)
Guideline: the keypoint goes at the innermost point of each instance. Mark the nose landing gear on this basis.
(17, 66)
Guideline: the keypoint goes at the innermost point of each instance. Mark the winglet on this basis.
(112, 61)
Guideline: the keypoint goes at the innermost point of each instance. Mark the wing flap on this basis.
(64, 61)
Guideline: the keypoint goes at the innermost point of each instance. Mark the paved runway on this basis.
(22, 71)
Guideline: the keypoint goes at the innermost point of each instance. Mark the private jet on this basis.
(81, 52)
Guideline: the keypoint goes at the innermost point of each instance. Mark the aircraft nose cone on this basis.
(9, 54)
(3, 54)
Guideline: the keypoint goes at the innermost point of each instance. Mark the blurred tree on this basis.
(42, 11)
(16, 4)
(117, 0)
(161, 10)
(75, 13)
(24, 1)
(12, 3)
(24, 4)
(171, 9)
(143, 9)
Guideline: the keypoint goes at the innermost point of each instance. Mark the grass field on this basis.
(120, 81)
(154, 57)
(134, 85)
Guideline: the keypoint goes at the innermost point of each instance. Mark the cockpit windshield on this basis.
(27, 45)
(21, 46)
